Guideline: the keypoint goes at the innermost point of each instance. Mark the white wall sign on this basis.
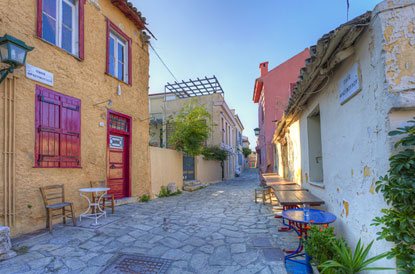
(116, 142)
(39, 75)
(349, 85)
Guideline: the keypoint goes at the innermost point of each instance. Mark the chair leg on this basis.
(73, 215)
(47, 218)
(267, 197)
(64, 216)
(113, 204)
(50, 220)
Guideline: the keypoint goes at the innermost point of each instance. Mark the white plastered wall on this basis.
(355, 141)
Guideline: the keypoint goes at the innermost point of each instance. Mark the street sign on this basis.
(39, 75)
(349, 85)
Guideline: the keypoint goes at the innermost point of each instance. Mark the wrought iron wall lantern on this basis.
(257, 130)
(13, 52)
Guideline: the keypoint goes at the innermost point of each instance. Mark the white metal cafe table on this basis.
(94, 210)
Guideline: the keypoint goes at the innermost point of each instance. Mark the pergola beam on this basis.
(192, 88)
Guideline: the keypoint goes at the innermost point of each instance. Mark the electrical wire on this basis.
(162, 61)
(348, 7)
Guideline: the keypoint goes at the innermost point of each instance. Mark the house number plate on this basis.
(116, 142)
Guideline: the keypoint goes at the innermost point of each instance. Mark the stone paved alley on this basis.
(218, 229)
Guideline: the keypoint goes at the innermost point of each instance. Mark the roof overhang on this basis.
(331, 49)
(131, 12)
(238, 120)
(257, 90)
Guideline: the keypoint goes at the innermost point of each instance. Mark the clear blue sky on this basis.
(229, 38)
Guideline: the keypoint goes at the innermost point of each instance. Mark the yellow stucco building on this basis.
(78, 111)
(226, 128)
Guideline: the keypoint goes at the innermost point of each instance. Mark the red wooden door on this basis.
(118, 177)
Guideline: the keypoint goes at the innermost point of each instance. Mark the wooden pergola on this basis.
(192, 88)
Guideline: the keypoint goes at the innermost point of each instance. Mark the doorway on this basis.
(188, 168)
(118, 147)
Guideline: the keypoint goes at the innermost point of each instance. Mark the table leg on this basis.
(291, 226)
(94, 210)
(301, 231)
(87, 210)
(288, 227)
(97, 206)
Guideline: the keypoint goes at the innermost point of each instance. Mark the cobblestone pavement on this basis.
(218, 229)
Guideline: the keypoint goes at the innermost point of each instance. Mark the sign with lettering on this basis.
(39, 75)
(349, 85)
(116, 142)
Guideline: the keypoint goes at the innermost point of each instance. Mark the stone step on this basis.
(193, 185)
(125, 201)
(190, 183)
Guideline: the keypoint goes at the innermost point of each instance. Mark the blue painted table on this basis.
(299, 222)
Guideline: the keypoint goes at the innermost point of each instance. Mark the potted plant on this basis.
(319, 245)
(347, 262)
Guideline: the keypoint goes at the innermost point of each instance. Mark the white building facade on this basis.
(358, 85)
(239, 159)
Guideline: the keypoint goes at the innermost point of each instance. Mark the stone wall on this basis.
(87, 81)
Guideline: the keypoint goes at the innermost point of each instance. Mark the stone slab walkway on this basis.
(218, 229)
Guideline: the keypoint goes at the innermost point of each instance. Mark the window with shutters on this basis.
(58, 126)
(61, 23)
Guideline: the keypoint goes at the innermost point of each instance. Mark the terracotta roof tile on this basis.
(131, 12)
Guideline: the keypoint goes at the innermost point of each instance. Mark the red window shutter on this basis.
(70, 145)
(58, 125)
(81, 32)
(39, 19)
(47, 128)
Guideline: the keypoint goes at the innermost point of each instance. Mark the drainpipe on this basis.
(9, 147)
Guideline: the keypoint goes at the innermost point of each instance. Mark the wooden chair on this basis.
(264, 193)
(55, 204)
(107, 198)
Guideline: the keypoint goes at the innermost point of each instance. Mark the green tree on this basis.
(246, 151)
(398, 188)
(214, 153)
(191, 129)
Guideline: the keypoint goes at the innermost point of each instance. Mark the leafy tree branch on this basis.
(191, 129)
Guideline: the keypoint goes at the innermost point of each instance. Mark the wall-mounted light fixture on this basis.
(119, 91)
(13, 52)
(108, 102)
(257, 130)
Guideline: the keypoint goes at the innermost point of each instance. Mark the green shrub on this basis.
(246, 151)
(397, 224)
(145, 198)
(319, 244)
(165, 192)
(348, 262)
(214, 153)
